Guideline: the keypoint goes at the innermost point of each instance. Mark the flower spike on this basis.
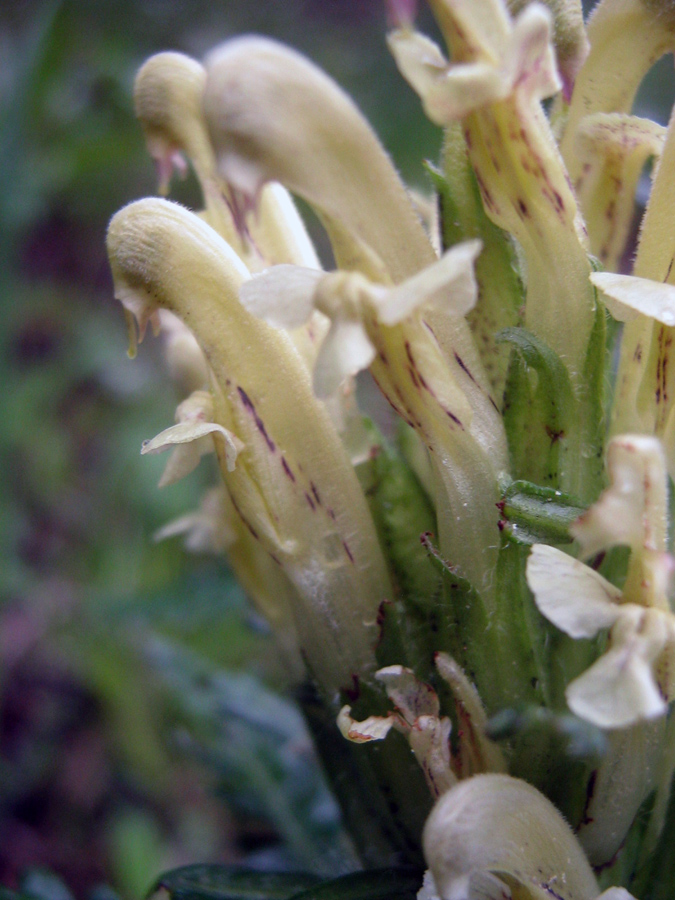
(168, 94)
(499, 70)
(407, 364)
(643, 400)
(273, 116)
(498, 73)
(295, 488)
(451, 92)
(267, 111)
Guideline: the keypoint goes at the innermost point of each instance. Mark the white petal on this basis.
(465, 88)
(374, 728)
(616, 893)
(430, 742)
(419, 59)
(618, 690)
(194, 430)
(428, 890)
(345, 351)
(282, 295)
(183, 460)
(571, 595)
(413, 698)
(450, 283)
(529, 61)
(447, 92)
(628, 295)
(207, 529)
(633, 510)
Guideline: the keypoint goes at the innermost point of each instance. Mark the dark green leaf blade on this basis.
(215, 882)
(378, 884)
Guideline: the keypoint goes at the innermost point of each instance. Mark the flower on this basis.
(285, 296)
(418, 717)
(631, 680)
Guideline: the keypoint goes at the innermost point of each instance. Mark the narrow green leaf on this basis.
(213, 882)
(594, 410)
(538, 408)
(495, 651)
(402, 513)
(533, 513)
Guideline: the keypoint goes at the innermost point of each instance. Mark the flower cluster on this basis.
(489, 587)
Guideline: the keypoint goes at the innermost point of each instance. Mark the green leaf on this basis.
(213, 882)
(493, 650)
(402, 513)
(594, 413)
(533, 514)
(380, 884)
(539, 405)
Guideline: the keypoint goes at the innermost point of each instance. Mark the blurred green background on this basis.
(139, 728)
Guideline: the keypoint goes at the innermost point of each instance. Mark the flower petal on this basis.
(374, 728)
(618, 690)
(345, 351)
(413, 698)
(501, 826)
(570, 594)
(430, 742)
(529, 60)
(206, 529)
(185, 433)
(282, 295)
(627, 296)
(448, 283)
(633, 510)
(419, 59)
(616, 893)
